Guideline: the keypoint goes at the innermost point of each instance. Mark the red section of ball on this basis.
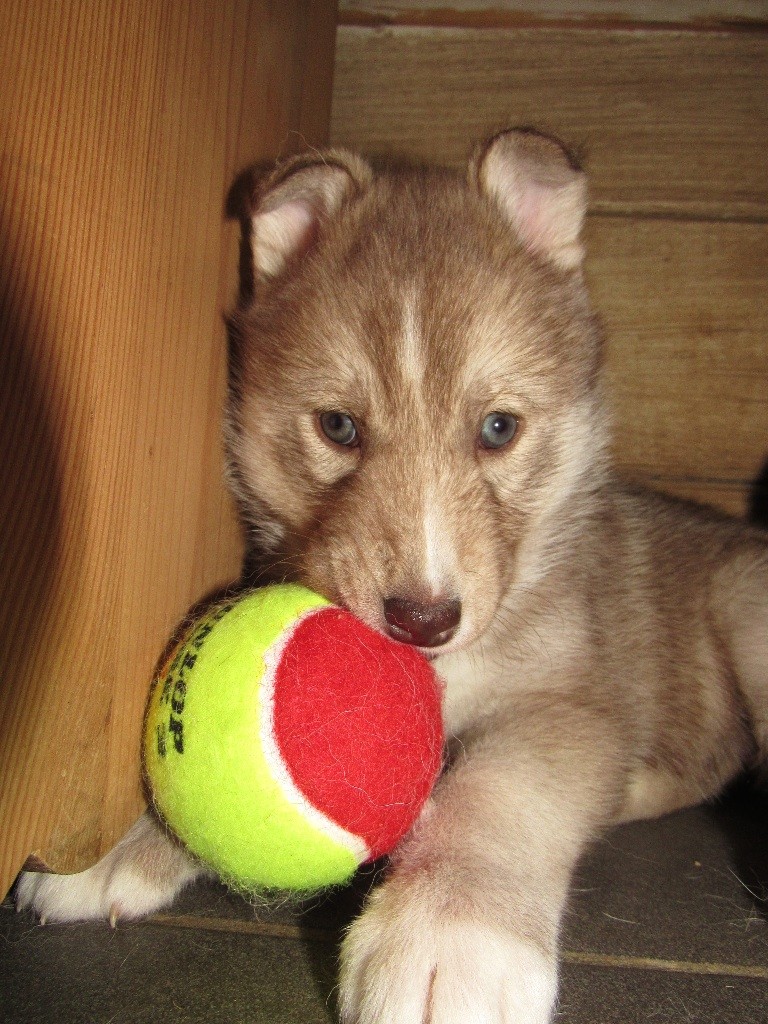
(357, 719)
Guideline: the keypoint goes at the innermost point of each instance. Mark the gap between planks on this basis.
(273, 930)
(441, 18)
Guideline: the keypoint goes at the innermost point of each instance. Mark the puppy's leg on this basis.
(141, 875)
(465, 929)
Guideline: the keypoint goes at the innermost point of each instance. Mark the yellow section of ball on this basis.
(208, 773)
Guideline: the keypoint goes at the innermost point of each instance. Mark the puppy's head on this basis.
(415, 406)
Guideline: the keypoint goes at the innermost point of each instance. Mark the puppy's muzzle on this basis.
(424, 624)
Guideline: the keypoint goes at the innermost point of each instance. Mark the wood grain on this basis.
(672, 123)
(734, 499)
(686, 321)
(499, 13)
(124, 127)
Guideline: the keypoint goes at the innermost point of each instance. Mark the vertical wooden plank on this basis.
(122, 126)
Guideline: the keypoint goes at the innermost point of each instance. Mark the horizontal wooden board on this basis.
(699, 13)
(684, 309)
(733, 499)
(671, 123)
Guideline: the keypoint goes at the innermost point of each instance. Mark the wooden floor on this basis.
(668, 924)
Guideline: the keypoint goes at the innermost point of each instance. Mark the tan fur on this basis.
(611, 661)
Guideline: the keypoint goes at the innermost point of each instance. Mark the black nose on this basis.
(425, 624)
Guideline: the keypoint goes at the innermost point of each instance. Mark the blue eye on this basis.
(339, 428)
(498, 429)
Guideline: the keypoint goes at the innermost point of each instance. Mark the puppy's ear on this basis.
(540, 189)
(292, 204)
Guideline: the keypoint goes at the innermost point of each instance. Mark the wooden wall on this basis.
(122, 126)
(668, 102)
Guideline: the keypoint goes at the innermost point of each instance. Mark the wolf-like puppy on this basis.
(417, 429)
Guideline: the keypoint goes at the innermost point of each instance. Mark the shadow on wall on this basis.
(758, 501)
(743, 811)
(31, 536)
(240, 202)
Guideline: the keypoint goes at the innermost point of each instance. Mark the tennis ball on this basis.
(286, 742)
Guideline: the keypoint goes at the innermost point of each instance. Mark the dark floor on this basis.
(669, 923)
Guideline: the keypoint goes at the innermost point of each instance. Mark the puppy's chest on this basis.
(501, 667)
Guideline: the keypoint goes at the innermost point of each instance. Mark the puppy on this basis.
(417, 429)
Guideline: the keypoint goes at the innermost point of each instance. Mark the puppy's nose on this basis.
(425, 624)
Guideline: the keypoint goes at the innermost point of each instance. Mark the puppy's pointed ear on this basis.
(540, 189)
(293, 203)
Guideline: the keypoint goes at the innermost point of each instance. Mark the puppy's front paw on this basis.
(405, 961)
(140, 876)
(107, 891)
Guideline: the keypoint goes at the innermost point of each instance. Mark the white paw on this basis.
(140, 876)
(408, 962)
(96, 894)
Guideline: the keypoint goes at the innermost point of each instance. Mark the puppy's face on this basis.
(417, 393)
